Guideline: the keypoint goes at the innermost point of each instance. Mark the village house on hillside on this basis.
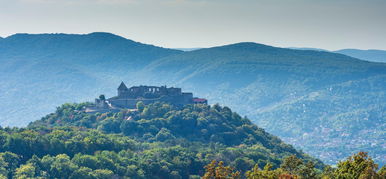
(128, 97)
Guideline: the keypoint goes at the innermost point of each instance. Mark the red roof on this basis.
(199, 100)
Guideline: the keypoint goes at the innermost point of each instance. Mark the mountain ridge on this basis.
(373, 55)
(249, 81)
(73, 59)
(245, 76)
(103, 43)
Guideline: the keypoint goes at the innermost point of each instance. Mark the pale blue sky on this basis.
(329, 24)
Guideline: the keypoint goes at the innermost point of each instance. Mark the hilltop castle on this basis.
(128, 97)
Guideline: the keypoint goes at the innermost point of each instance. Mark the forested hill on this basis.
(294, 94)
(89, 49)
(35, 68)
(157, 141)
(243, 62)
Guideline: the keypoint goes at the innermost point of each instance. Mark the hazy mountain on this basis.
(307, 48)
(187, 49)
(369, 55)
(39, 72)
(89, 49)
(329, 104)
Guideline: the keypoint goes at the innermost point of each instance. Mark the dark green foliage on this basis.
(357, 166)
(165, 123)
(162, 141)
(10, 162)
(102, 97)
(291, 164)
(140, 106)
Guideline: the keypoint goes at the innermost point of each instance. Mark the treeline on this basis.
(154, 141)
(126, 164)
(71, 151)
(66, 151)
(357, 166)
(160, 122)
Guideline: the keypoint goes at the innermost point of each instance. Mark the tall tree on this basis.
(266, 173)
(359, 165)
(291, 164)
(216, 170)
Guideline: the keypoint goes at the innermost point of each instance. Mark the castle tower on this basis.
(122, 89)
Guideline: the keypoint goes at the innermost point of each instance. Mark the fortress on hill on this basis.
(128, 97)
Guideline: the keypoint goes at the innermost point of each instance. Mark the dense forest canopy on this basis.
(159, 141)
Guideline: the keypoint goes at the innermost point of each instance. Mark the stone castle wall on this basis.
(128, 97)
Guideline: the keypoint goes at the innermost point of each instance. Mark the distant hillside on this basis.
(295, 94)
(37, 69)
(369, 55)
(187, 49)
(90, 49)
(306, 48)
(240, 64)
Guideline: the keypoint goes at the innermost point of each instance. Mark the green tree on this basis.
(62, 167)
(175, 175)
(328, 172)
(103, 174)
(3, 169)
(83, 173)
(382, 172)
(12, 162)
(359, 165)
(86, 161)
(266, 173)
(164, 134)
(243, 163)
(216, 170)
(291, 164)
(25, 171)
(102, 97)
(308, 170)
(140, 106)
